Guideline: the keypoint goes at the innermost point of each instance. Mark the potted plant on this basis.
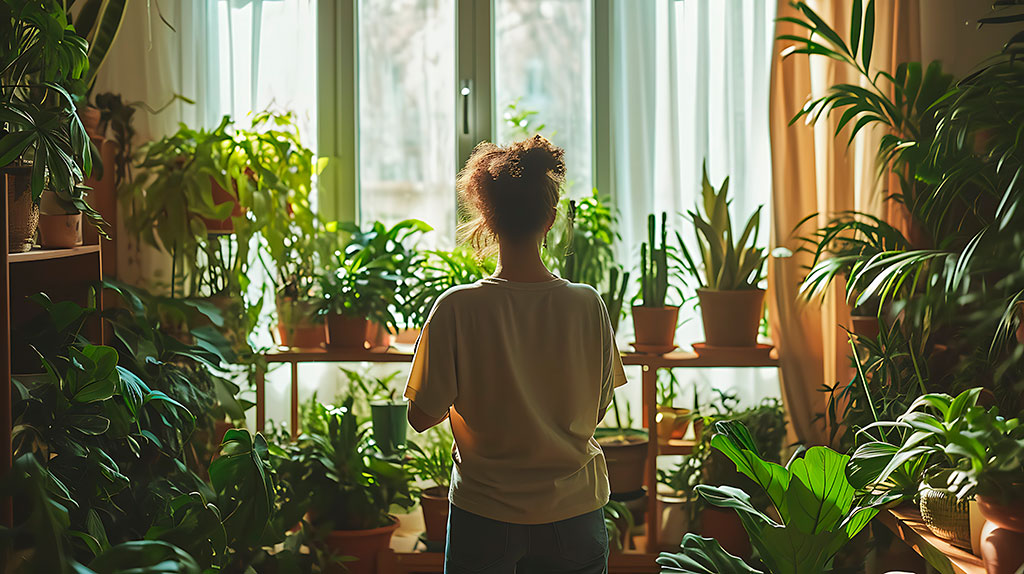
(42, 137)
(625, 450)
(654, 322)
(672, 421)
(368, 280)
(60, 217)
(618, 521)
(351, 490)
(433, 463)
(437, 272)
(732, 268)
(389, 414)
(814, 503)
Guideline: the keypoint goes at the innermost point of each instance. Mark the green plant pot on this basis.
(389, 424)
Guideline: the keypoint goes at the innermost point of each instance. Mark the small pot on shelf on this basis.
(22, 212)
(946, 516)
(672, 423)
(389, 424)
(343, 332)
(731, 318)
(59, 226)
(725, 526)
(434, 503)
(625, 452)
(298, 324)
(364, 545)
(1002, 537)
(655, 327)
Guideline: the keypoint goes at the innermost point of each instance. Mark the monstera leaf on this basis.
(703, 556)
(812, 495)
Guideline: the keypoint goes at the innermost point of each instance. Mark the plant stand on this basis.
(427, 562)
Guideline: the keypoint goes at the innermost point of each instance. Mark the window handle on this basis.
(465, 91)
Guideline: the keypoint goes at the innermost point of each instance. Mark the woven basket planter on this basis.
(947, 517)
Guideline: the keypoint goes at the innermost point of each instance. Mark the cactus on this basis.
(615, 294)
(654, 270)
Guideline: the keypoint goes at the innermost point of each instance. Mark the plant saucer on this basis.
(653, 349)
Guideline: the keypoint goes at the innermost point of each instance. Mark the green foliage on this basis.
(811, 495)
(615, 294)
(703, 556)
(369, 278)
(657, 266)
(618, 521)
(347, 487)
(98, 22)
(433, 461)
(438, 272)
(583, 246)
(729, 263)
(954, 442)
(520, 123)
(40, 56)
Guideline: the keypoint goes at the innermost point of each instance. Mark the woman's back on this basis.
(529, 367)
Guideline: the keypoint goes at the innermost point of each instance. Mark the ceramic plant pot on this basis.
(864, 326)
(947, 517)
(389, 424)
(344, 332)
(625, 452)
(731, 318)
(22, 212)
(60, 231)
(298, 324)
(672, 423)
(363, 545)
(1002, 537)
(655, 327)
(434, 502)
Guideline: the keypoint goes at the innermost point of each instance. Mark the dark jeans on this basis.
(577, 545)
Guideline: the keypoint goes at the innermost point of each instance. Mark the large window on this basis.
(542, 78)
(407, 113)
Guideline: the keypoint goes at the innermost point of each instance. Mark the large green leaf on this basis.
(819, 495)
(735, 442)
(245, 491)
(144, 557)
(703, 556)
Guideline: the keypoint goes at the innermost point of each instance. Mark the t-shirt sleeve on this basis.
(432, 384)
(613, 375)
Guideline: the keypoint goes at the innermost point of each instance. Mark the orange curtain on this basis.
(814, 171)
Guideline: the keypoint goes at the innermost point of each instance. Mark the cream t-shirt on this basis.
(525, 368)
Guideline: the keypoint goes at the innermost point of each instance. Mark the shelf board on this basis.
(906, 523)
(391, 355)
(689, 359)
(676, 447)
(49, 254)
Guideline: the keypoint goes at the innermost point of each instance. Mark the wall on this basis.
(950, 33)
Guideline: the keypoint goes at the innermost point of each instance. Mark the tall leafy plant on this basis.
(811, 494)
(729, 263)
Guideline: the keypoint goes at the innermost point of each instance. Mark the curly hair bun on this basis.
(512, 191)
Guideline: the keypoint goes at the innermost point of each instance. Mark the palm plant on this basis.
(438, 272)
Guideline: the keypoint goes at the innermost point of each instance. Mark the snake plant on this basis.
(729, 263)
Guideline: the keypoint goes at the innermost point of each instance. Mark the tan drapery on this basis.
(815, 172)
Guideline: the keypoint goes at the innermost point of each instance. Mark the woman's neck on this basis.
(521, 262)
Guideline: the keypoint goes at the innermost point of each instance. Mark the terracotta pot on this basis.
(672, 423)
(90, 117)
(343, 332)
(655, 326)
(625, 452)
(377, 336)
(731, 318)
(60, 231)
(947, 517)
(103, 198)
(298, 324)
(434, 502)
(1008, 516)
(22, 212)
(725, 526)
(864, 326)
(363, 545)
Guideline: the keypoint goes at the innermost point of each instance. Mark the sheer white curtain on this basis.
(690, 82)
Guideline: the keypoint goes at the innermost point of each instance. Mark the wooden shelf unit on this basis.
(906, 523)
(64, 275)
(649, 363)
